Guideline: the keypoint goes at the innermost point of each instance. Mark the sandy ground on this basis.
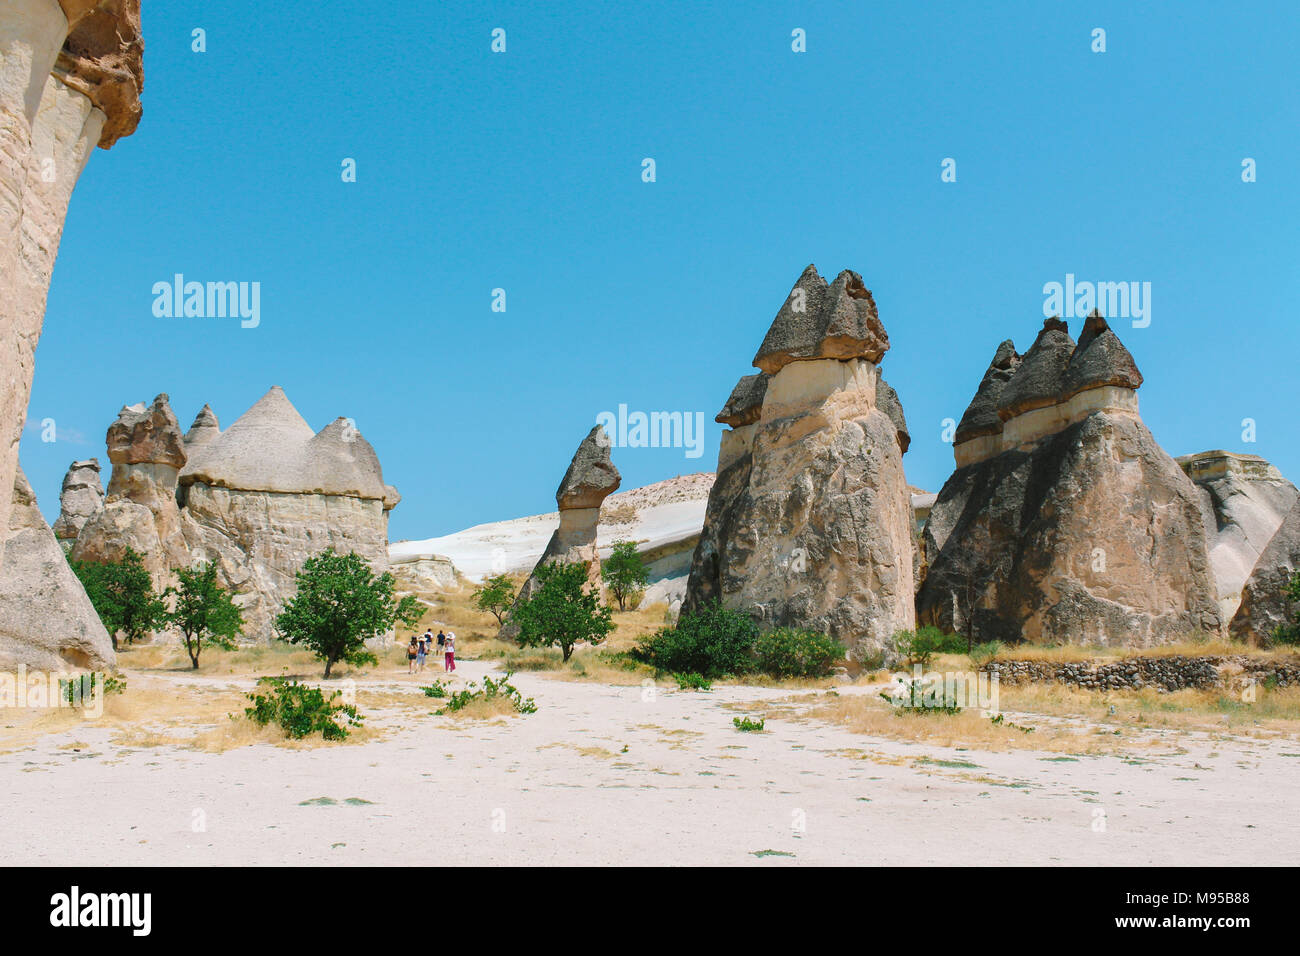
(610, 775)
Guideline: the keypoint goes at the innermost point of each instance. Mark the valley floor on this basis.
(606, 774)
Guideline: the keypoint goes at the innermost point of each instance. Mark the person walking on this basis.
(421, 651)
(412, 652)
(449, 652)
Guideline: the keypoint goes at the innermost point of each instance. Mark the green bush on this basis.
(712, 642)
(747, 725)
(982, 654)
(793, 652)
(301, 709)
(436, 689)
(1290, 634)
(919, 646)
(693, 682)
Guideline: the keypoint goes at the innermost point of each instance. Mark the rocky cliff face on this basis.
(57, 62)
(46, 621)
(257, 499)
(1065, 521)
(1263, 604)
(589, 480)
(809, 523)
(1244, 500)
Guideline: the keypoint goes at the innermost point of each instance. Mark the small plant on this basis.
(437, 689)
(78, 690)
(1000, 720)
(693, 681)
(747, 725)
(301, 709)
(794, 652)
(491, 690)
(982, 654)
(914, 699)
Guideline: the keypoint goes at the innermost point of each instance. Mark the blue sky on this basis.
(522, 171)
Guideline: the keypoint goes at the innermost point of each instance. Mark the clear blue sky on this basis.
(522, 171)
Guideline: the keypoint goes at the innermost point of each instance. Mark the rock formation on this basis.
(1244, 500)
(82, 496)
(809, 522)
(46, 621)
(70, 79)
(1065, 521)
(140, 510)
(1263, 604)
(258, 499)
(591, 478)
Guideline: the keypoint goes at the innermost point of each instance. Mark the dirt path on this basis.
(605, 774)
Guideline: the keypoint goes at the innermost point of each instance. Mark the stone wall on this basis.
(1174, 672)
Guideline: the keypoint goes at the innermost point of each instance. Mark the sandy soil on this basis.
(613, 775)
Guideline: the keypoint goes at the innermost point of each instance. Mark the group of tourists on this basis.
(423, 645)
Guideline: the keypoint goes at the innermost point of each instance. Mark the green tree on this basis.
(123, 596)
(339, 605)
(495, 595)
(203, 611)
(1290, 633)
(624, 572)
(562, 611)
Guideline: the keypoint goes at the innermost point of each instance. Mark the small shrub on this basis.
(713, 642)
(792, 652)
(919, 646)
(982, 654)
(301, 709)
(747, 725)
(491, 690)
(78, 690)
(693, 682)
(1290, 634)
(913, 699)
(436, 689)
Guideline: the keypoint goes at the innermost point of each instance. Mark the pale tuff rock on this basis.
(1245, 500)
(205, 428)
(1264, 606)
(589, 480)
(887, 401)
(46, 621)
(809, 523)
(81, 497)
(257, 499)
(424, 575)
(47, 131)
(821, 321)
(1070, 524)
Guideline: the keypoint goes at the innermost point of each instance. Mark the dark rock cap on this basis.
(887, 401)
(591, 476)
(1099, 359)
(745, 405)
(819, 321)
(1040, 379)
(981, 417)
